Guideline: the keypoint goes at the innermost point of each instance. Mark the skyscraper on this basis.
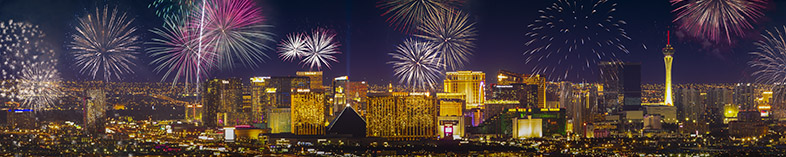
(668, 51)
(621, 84)
(471, 83)
(508, 78)
(398, 115)
(95, 111)
(222, 100)
(314, 76)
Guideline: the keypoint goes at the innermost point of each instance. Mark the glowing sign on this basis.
(504, 86)
(270, 90)
(303, 90)
(260, 79)
(341, 78)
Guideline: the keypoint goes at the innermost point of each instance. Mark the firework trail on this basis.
(320, 47)
(234, 28)
(176, 52)
(404, 15)
(105, 44)
(718, 20)
(417, 64)
(572, 36)
(452, 35)
(22, 47)
(294, 47)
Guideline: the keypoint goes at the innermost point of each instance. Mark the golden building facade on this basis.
(508, 78)
(314, 76)
(308, 112)
(402, 116)
(470, 83)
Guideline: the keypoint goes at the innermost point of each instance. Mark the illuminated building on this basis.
(280, 120)
(283, 86)
(580, 101)
(262, 99)
(730, 113)
(308, 112)
(764, 103)
(508, 78)
(667, 113)
(621, 85)
(95, 111)
(451, 115)
(19, 118)
(690, 104)
(527, 95)
(314, 76)
(400, 115)
(744, 96)
(471, 83)
(340, 88)
(668, 51)
(652, 122)
(221, 99)
(527, 128)
(356, 95)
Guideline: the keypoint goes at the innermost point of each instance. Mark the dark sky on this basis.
(366, 37)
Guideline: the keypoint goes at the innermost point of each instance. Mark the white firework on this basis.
(453, 36)
(294, 47)
(39, 86)
(770, 59)
(105, 44)
(22, 45)
(320, 48)
(417, 64)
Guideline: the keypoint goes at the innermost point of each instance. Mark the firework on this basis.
(39, 85)
(417, 64)
(21, 45)
(320, 48)
(172, 9)
(294, 47)
(770, 59)
(235, 29)
(405, 14)
(572, 36)
(105, 43)
(177, 52)
(718, 20)
(453, 36)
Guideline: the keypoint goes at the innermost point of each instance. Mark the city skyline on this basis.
(360, 27)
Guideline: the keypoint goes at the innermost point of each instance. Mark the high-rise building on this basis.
(451, 115)
(399, 115)
(95, 111)
(690, 104)
(621, 85)
(340, 89)
(508, 78)
(283, 86)
(668, 52)
(471, 83)
(19, 118)
(580, 101)
(222, 102)
(744, 96)
(308, 112)
(314, 76)
(527, 95)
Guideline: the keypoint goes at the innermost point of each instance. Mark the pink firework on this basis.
(235, 29)
(718, 20)
(177, 54)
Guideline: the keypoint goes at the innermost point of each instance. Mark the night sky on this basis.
(366, 37)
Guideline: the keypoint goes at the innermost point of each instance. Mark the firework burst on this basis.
(406, 14)
(718, 20)
(22, 46)
(572, 36)
(39, 85)
(417, 64)
(294, 47)
(172, 9)
(452, 35)
(177, 54)
(320, 47)
(770, 59)
(105, 44)
(235, 29)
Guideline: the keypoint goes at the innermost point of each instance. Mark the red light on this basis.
(448, 129)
